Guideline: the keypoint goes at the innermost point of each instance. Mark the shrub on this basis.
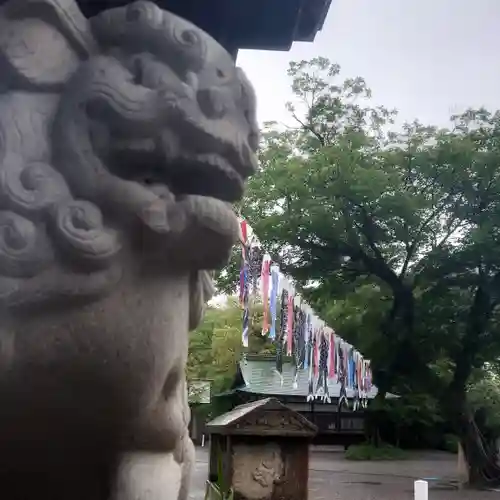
(450, 443)
(367, 451)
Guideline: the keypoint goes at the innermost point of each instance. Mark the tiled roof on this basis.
(263, 407)
(238, 412)
(261, 378)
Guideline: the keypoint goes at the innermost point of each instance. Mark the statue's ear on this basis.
(42, 42)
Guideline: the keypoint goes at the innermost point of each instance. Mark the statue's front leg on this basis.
(161, 466)
(155, 475)
(148, 476)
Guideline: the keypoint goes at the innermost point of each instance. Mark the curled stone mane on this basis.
(49, 238)
(124, 141)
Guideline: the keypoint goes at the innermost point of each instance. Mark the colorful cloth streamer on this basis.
(351, 367)
(244, 238)
(266, 265)
(342, 379)
(316, 353)
(307, 333)
(357, 395)
(331, 355)
(244, 282)
(273, 298)
(367, 381)
(255, 261)
(322, 386)
(289, 325)
(282, 332)
(284, 313)
(311, 350)
(298, 343)
(246, 306)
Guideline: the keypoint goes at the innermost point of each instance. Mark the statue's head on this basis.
(148, 133)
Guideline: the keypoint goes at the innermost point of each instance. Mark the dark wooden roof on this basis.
(242, 24)
(266, 417)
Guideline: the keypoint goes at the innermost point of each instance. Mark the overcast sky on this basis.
(427, 58)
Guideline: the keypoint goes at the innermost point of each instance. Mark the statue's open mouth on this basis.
(205, 174)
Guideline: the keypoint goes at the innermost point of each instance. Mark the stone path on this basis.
(333, 478)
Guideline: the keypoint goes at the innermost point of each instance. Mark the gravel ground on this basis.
(333, 478)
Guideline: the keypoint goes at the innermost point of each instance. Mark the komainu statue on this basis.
(124, 140)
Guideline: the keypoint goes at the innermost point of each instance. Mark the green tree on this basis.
(408, 222)
(215, 347)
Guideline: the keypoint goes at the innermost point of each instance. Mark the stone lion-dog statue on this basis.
(124, 141)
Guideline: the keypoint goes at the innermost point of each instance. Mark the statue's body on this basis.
(122, 140)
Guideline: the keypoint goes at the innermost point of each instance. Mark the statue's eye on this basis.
(189, 37)
(133, 13)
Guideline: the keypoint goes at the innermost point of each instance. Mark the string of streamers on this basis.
(329, 363)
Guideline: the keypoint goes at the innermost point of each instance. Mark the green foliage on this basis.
(414, 420)
(214, 492)
(215, 346)
(367, 451)
(413, 409)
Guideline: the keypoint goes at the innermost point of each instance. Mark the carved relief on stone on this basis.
(124, 139)
(276, 420)
(257, 469)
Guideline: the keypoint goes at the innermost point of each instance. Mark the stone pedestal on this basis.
(124, 139)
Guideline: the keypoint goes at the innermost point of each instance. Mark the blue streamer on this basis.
(307, 343)
(246, 308)
(273, 299)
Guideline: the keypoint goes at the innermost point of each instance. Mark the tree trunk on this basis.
(481, 458)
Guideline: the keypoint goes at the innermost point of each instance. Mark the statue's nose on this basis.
(249, 161)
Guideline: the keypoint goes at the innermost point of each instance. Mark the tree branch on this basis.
(367, 225)
(310, 128)
(413, 247)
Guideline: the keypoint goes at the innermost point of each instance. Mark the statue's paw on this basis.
(204, 230)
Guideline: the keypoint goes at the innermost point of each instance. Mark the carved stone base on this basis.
(256, 470)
